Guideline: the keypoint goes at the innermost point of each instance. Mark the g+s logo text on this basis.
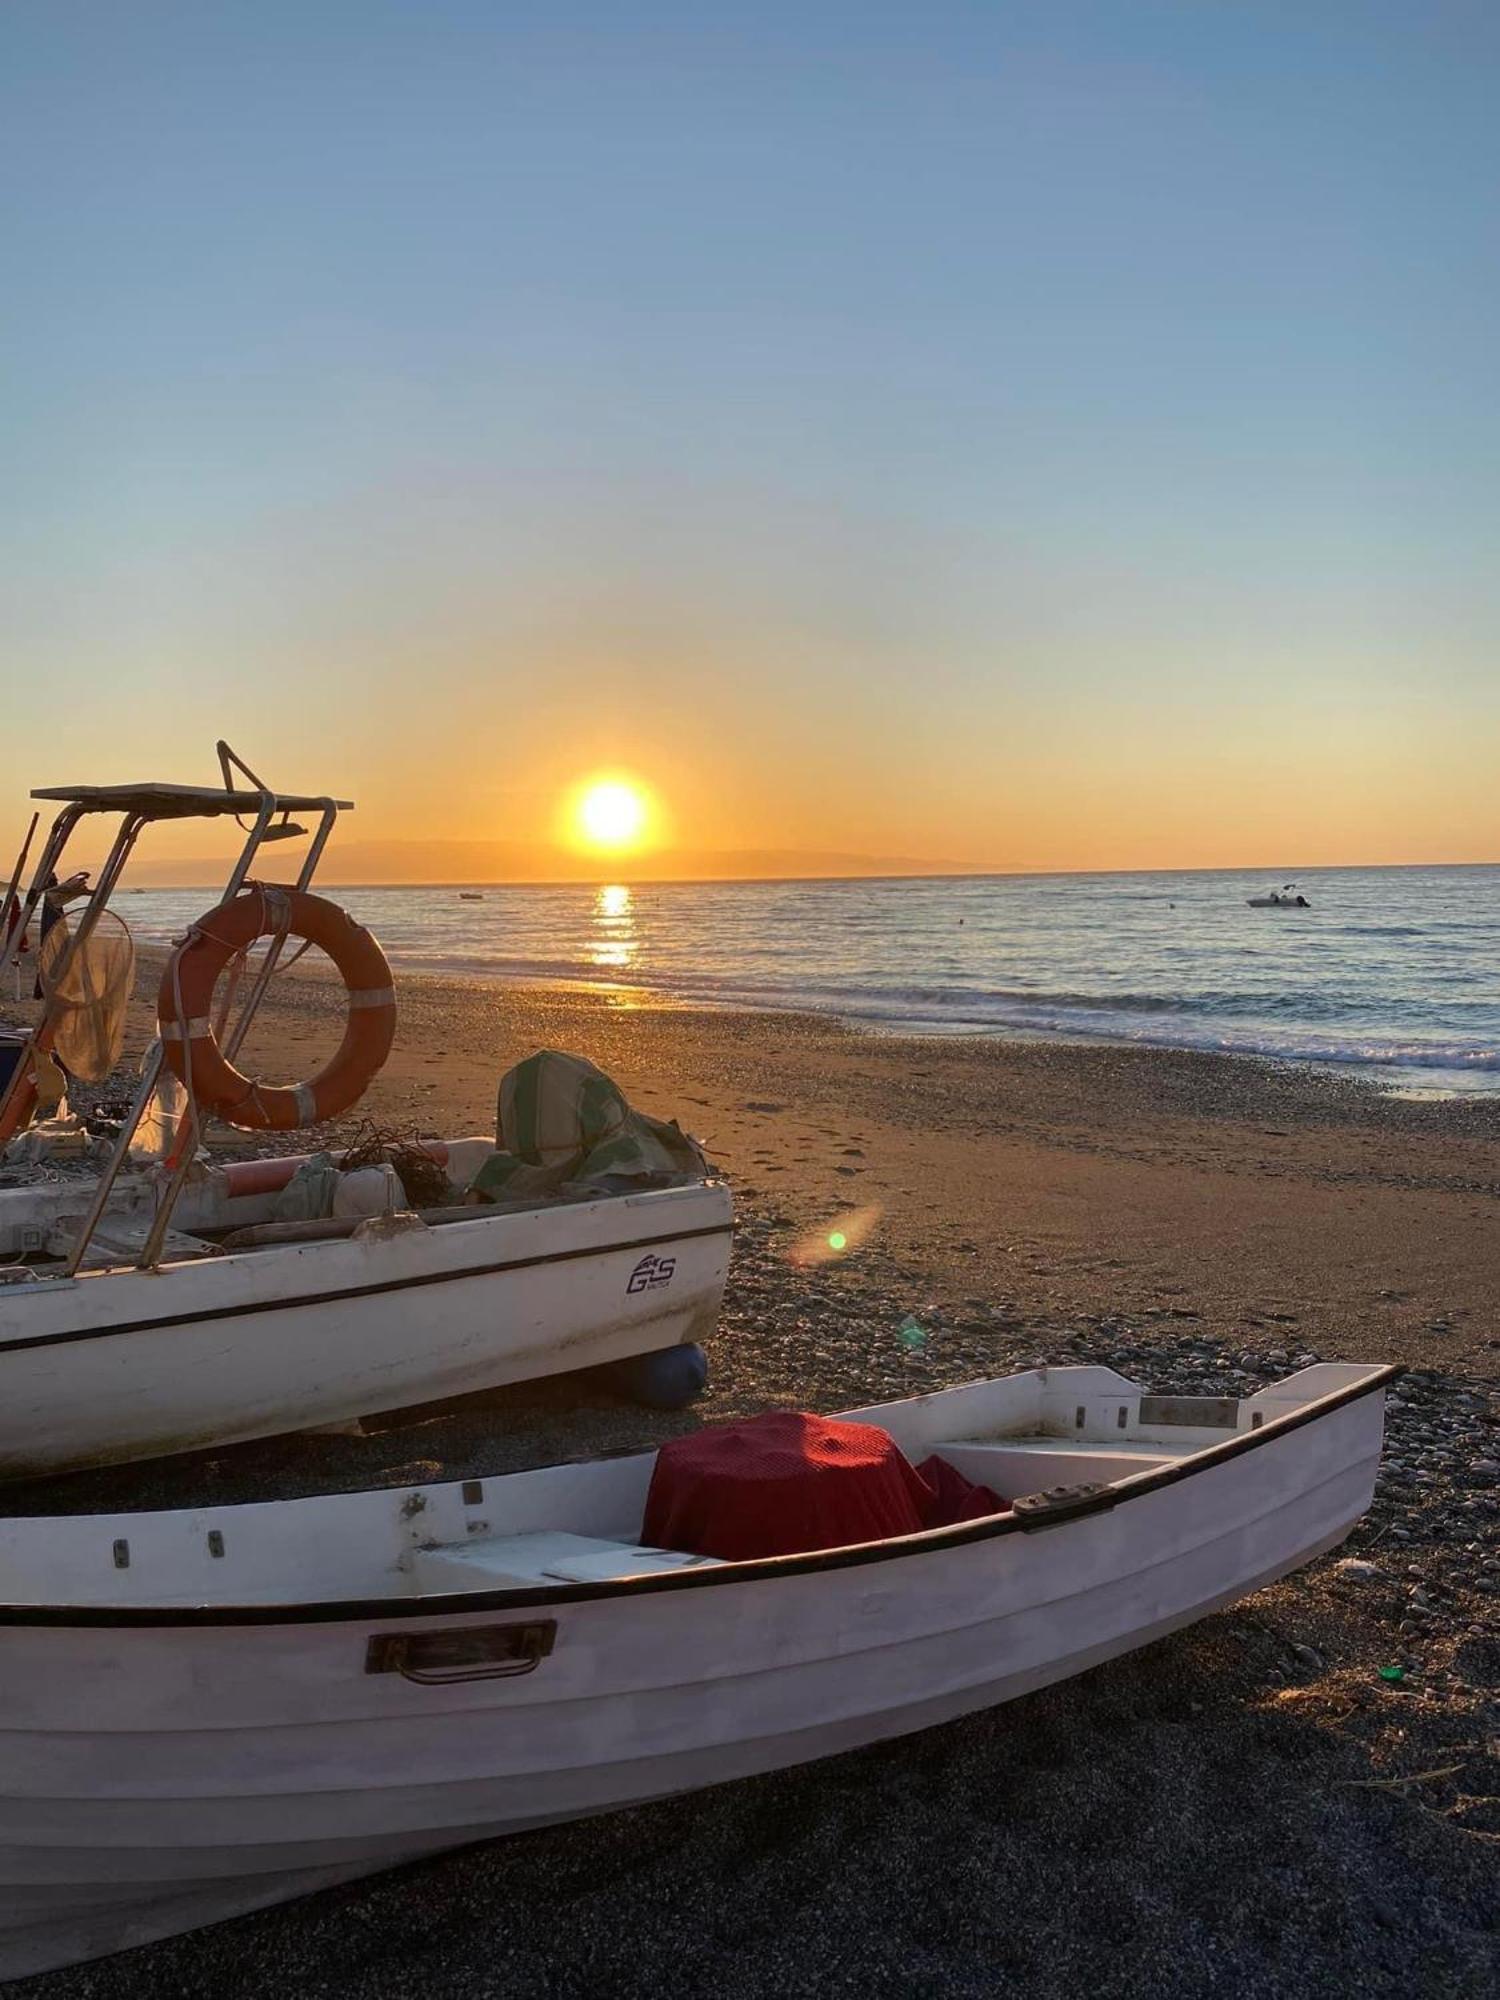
(651, 1273)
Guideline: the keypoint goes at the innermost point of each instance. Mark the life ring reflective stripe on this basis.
(186, 995)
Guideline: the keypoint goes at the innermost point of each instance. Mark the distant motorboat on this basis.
(1286, 897)
(470, 896)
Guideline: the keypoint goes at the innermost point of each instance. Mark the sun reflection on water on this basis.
(612, 943)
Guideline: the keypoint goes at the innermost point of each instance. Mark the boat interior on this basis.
(229, 1207)
(1023, 1436)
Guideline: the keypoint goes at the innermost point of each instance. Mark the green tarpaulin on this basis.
(561, 1119)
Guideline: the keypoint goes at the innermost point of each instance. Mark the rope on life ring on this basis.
(190, 1038)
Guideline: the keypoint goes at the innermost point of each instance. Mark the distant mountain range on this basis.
(446, 861)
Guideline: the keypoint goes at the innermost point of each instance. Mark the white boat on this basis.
(209, 1346)
(210, 1711)
(153, 1310)
(1288, 897)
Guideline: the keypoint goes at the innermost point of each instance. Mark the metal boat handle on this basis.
(462, 1653)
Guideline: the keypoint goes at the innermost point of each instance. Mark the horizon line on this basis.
(605, 879)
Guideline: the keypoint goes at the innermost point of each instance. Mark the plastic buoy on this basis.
(669, 1379)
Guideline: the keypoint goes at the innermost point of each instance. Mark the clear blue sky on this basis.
(1023, 434)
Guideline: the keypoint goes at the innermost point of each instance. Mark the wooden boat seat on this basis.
(1138, 1450)
(1012, 1466)
(500, 1562)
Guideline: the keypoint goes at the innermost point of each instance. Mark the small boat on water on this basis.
(1285, 898)
(162, 1303)
(213, 1710)
(470, 896)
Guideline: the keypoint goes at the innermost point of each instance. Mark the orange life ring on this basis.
(185, 1000)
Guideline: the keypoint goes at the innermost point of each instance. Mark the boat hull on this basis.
(228, 1765)
(128, 1364)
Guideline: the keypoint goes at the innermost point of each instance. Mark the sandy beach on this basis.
(1249, 1807)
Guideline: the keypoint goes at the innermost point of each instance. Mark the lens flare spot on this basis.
(834, 1238)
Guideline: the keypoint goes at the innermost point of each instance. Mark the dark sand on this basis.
(1246, 1808)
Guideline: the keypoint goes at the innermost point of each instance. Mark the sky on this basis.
(965, 435)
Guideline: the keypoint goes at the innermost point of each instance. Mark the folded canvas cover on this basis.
(561, 1118)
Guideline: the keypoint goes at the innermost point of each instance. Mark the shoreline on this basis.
(1479, 1108)
(1088, 968)
(1368, 1075)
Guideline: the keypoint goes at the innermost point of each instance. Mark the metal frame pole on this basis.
(57, 840)
(253, 998)
(15, 882)
(93, 909)
(187, 1135)
(152, 1068)
(40, 1041)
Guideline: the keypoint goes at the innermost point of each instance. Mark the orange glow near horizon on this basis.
(797, 788)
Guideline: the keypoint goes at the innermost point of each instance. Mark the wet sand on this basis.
(1248, 1807)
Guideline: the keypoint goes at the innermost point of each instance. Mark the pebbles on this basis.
(1436, 1507)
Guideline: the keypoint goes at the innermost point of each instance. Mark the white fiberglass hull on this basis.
(119, 1365)
(155, 1776)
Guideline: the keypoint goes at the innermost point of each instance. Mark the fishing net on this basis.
(424, 1179)
(90, 994)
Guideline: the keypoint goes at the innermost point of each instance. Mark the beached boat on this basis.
(210, 1711)
(210, 1344)
(154, 1308)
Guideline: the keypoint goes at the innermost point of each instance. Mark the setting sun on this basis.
(612, 814)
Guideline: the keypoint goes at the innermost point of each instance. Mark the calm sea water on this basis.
(1394, 973)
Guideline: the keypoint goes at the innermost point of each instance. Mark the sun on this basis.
(611, 815)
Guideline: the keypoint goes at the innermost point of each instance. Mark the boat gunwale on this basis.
(455, 1604)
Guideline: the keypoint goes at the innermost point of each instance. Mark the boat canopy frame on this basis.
(139, 806)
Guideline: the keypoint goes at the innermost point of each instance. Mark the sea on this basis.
(1392, 973)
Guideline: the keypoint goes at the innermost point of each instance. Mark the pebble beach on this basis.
(1300, 1796)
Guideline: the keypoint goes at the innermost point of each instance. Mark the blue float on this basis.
(669, 1379)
